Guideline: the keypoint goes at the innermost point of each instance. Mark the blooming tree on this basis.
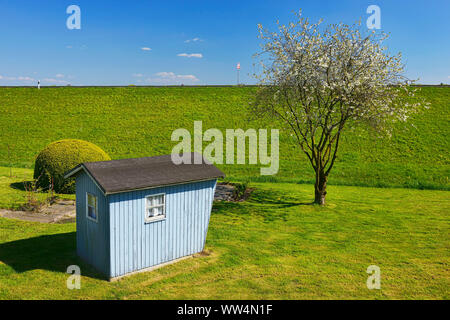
(317, 80)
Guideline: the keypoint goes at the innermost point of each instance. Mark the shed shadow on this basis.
(49, 252)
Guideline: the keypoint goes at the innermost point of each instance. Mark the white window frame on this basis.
(87, 207)
(163, 206)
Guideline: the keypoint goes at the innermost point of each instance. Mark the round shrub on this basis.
(59, 157)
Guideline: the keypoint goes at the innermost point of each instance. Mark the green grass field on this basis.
(274, 246)
(12, 194)
(135, 122)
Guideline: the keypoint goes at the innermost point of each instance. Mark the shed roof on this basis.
(123, 175)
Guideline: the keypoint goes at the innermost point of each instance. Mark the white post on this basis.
(238, 67)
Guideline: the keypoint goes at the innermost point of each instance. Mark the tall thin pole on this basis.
(238, 67)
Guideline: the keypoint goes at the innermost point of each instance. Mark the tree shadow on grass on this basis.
(267, 204)
(49, 252)
(277, 199)
(282, 204)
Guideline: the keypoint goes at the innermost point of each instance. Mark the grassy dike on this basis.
(134, 122)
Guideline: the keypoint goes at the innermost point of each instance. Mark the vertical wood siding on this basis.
(92, 237)
(135, 244)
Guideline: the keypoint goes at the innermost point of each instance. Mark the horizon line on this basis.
(174, 86)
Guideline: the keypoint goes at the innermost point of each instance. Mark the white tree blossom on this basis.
(317, 79)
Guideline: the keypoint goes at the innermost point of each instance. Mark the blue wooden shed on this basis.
(135, 214)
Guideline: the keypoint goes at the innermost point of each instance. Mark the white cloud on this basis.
(82, 47)
(171, 75)
(138, 75)
(55, 81)
(193, 40)
(172, 78)
(59, 75)
(6, 78)
(30, 80)
(25, 79)
(146, 49)
(191, 55)
(19, 78)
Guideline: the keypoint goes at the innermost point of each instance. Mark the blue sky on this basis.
(107, 50)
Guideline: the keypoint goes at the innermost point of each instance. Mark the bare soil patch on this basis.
(62, 211)
(235, 192)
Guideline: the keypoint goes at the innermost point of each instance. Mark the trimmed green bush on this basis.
(61, 156)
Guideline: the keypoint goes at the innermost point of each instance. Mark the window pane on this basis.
(91, 200)
(91, 212)
(155, 205)
(155, 200)
(159, 199)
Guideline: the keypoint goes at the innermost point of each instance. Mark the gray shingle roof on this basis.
(140, 173)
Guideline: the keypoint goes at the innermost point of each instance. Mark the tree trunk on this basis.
(320, 188)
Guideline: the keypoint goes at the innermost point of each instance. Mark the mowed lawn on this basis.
(12, 191)
(273, 246)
